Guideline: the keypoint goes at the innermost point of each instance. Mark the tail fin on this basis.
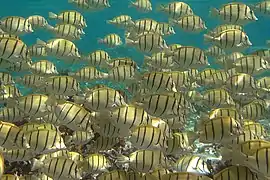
(161, 7)
(208, 38)
(52, 15)
(214, 12)
(40, 43)
(49, 27)
(100, 41)
(36, 164)
(109, 21)
(129, 42)
(147, 59)
(131, 4)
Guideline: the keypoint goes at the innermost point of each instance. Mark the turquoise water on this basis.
(97, 27)
(258, 32)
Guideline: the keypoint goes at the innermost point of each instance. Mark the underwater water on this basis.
(97, 27)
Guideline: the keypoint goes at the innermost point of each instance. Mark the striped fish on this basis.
(189, 57)
(98, 58)
(251, 64)
(11, 114)
(95, 163)
(149, 43)
(214, 51)
(13, 50)
(128, 117)
(66, 31)
(255, 110)
(82, 4)
(185, 176)
(16, 25)
(145, 25)
(228, 60)
(262, 7)
(111, 40)
(176, 9)
(236, 173)
(60, 48)
(45, 141)
(217, 98)
(98, 4)
(162, 106)
(12, 137)
(17, 155)
(166, 28)
(258, 162)
(73, 116)
(33, 105)
(160, 61)
(232, 40)
(115, 174)
(193, 164)
(219, 130)
(101, 99)
(79, 137)
(61, 85)
(158, 82)
(6, 78)
(70, 17)
(43, 67)
(224, 112)
(241, 83)
(87, 74)
(103, 144)
(190, 23)
(143, 160)
(121, 21)
(178, 144)
(257, 129)
(115, 62)
(123, 74)
(37, 21)
(148, 137)
(30, 80)
(11, 93)
(142, 5)
(235, 13)
(58, 168)
(106, 130)
(217, 30)
(37, 51)
(32, 126)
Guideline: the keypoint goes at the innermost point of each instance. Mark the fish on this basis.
(16, 25)
(190, 23)
(111, 40)
(193, 164)
(176, 10)
(70, 17)
(95, 163)
(37, 21)
(142, 5)
(66, 31)
(137, 160)
(149, 43)
(58, 167)
(231, 40)
(235, 13)
(45, 141)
